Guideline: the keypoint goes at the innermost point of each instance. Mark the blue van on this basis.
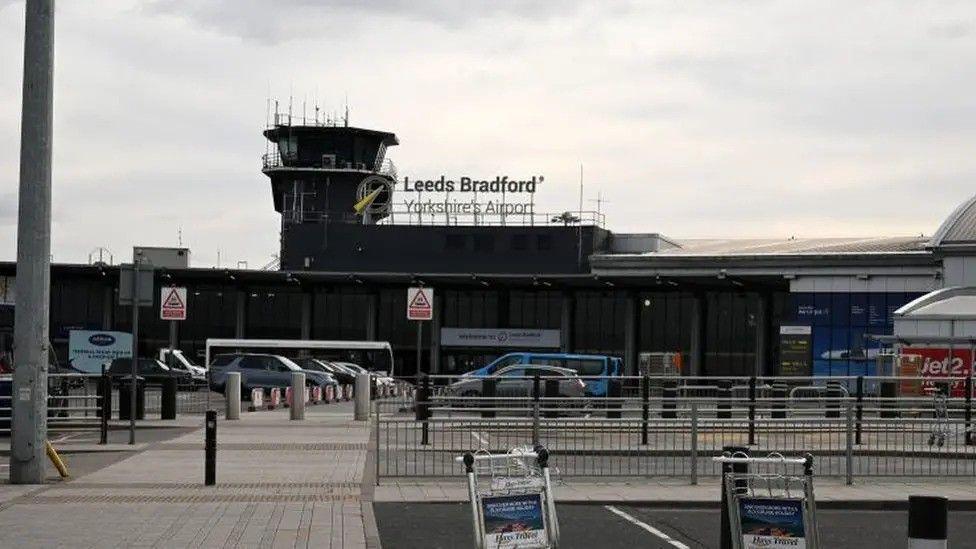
(584, 365)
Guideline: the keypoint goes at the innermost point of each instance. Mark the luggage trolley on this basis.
(940, 407)
(770, 509)
(512, 505)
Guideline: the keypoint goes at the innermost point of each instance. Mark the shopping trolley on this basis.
(512, 505)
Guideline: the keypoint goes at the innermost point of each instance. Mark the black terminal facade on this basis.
(348, 256)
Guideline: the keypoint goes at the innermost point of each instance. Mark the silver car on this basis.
(517, 381)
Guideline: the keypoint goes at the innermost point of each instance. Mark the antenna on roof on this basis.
(347, 111)
(579, 228)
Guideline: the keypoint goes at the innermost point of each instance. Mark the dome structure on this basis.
(958, 231)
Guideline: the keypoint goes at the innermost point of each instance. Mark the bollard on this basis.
(210, 449)
(669, 404)
(232, 390)
(316, 395)
(330, 393)
(362, 397)
(724, 400)
(298, 396)
(614, 394)
(725, 533)
(488, 385)
(125, 399)
(833, 394)
(552, 395)
(274, 398)
(257, 400)
(645, 407)
(889, 391)
(928, 522)
(167, 408)
(779, 400)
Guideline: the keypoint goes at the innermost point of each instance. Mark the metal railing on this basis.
(74, 403)
(637, 429)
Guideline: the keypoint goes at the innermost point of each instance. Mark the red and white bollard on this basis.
(308, 394)
(330, 393)
(347, 394)
(316, 395)
(274, 400)
(257, 400)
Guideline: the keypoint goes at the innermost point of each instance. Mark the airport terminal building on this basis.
(507, 278)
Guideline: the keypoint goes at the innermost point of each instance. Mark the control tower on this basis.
(334, 189)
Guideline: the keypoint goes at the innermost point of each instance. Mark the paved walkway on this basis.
(666, 491)
(280, 483)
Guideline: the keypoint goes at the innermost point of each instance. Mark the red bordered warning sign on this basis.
(172, 303)
(420, 303)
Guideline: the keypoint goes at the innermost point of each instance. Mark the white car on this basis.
(181, 362)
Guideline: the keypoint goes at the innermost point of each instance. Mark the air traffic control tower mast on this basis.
(325, 174)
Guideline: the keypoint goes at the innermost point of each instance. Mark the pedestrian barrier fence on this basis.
(75, 403)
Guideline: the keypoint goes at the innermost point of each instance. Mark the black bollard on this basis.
(488, 393)
(210, 449)
(168, 404)
(779, 397)
(724, 400)
(423, 410)
(725, 535)
(928, 522)
(105, 411)
(614, 392)
(552, 396)
(669, 404)
(833, 393)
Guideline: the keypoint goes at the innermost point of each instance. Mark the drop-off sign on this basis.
(172, 303)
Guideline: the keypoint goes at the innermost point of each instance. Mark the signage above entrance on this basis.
(420, 303)
(495, 337)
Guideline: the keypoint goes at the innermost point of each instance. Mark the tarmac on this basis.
(311, 483)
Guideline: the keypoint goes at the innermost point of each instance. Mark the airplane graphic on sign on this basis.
(420, 303)
(172, 303)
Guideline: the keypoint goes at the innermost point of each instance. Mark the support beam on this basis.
(631, 331)
(240, 316)
(696, 358)
(567, 314)
(762, 333)
(28, 434)
(307, 304)
(372, 316)
(435, 336)
(108, 306)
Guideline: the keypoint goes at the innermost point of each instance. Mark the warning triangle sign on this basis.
(420, 301)
(173, 300)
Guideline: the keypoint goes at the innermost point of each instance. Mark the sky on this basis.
(694, 118)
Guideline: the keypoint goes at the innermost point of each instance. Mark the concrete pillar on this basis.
(240, 318)
(631, 331)
(696, 327)
(362, 397)
(567, 314)
(297, 409)
(232, 391)
(762, 333)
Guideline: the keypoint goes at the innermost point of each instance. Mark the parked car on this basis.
(380, 377)
(264, 371)
(595, 369)
(150, 369)
(516, 381)
(177, 360)
(342, 375)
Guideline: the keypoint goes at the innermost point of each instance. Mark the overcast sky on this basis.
(694, 119)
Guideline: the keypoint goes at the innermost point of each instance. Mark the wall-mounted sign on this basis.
(495, 337)
(420, 303)
(172, 303)
(795, 351)
(89, 349)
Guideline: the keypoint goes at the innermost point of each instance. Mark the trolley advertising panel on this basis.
(514, 521)
(934, 363)
(768, 522)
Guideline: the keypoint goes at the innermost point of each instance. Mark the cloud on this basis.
(691, 118)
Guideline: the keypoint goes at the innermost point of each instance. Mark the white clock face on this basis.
(373, 183)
